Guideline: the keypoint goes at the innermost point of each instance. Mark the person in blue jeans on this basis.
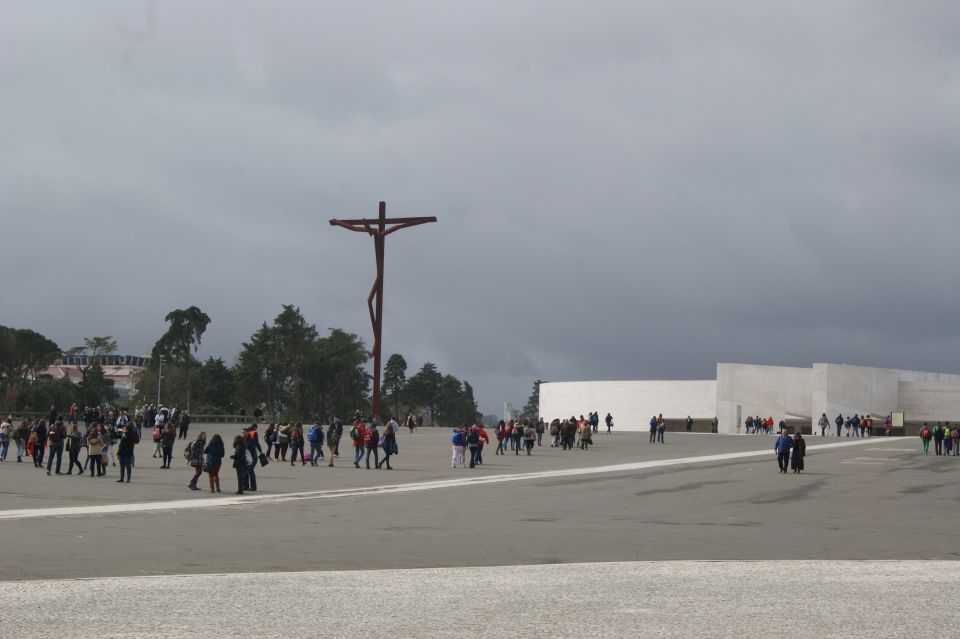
(782, 446)
(357, 435)
(371, 440)
(56, 436)
(315, 437)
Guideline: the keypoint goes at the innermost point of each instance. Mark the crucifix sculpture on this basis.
(379, 229)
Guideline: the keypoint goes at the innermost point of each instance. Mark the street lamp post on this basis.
(159, 378)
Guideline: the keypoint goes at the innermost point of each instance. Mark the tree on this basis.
(23, 353)
(531, 409)
(342, 383)
(95, 388)
(182, 339)
(215, 387)
(394, 379)
(423, 389)
(95, 349)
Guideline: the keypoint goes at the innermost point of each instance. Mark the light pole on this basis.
(159, 377)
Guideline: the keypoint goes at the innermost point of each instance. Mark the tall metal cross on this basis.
(379, 229)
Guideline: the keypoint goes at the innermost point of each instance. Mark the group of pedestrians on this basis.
(791, 451)
(945, 438)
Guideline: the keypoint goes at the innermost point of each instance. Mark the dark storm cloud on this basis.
(625, 189)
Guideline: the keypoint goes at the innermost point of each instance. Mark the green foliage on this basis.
(447, 400)
(95, 388)
(23, 353)
(95, 348)
(531, 409)
(215, 389)
(394, 380)
(41, 395)
(181, 340)
(297, 374)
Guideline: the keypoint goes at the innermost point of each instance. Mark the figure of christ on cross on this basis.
(379, 229)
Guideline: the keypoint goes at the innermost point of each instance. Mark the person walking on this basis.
(241, 461)
(586, 436)
(541, 427)
(296, 445)
(839, 422)
(74, 445)
(653, 429)
(128, 438)
(608, 420)
(457, 442)
(315, 436)
(167, 437)
(270, 438)
(389, 443)
(194, 455)
(333, 441)
(938, 439)
(500, 433)
(799, 452)
(473, 443)
(484, 440)
(252, 440)
(824, 424)
(371, 440)
(955, 436)
(6, 426)
(357, 435)
(661, 428)
(517, 437)
(782, 446)
(925, 436)
(215, 452)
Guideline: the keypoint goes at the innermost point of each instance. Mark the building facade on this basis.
(796, 395)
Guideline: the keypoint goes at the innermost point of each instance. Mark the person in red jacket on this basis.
(484, 439)
(358, 435)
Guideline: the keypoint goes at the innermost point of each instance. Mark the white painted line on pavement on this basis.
(222, 502)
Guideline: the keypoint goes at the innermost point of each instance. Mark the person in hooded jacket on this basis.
(798, 453)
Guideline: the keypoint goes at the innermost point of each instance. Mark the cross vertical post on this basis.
(378, 229)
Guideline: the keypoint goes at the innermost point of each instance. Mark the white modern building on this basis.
(797, 395)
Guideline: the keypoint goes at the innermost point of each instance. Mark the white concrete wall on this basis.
(850, 390)
(930, 401)
(768, 391)
(631, 403)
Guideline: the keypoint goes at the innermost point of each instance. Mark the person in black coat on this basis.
(253, 445)
(799, 452)
(239, 458)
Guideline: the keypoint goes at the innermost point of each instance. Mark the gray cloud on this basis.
(624, 189)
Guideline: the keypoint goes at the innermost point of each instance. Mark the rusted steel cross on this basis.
(379, 229)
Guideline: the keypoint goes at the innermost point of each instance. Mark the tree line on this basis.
(287, 369)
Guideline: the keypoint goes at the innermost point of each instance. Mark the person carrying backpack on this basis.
(473, 443)
(925, 436)
(315, 437)
(358, 435)
(333, 440)
(458, 441)
(371, 440)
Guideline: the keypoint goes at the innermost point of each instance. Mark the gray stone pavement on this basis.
(770, 599)
(877, 500)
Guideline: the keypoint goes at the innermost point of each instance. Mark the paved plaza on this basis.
(637, 529)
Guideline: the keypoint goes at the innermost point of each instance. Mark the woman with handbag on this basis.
(387, 442)
(214, 452)
(194, 456)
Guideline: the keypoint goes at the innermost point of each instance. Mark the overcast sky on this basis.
(625, 190)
